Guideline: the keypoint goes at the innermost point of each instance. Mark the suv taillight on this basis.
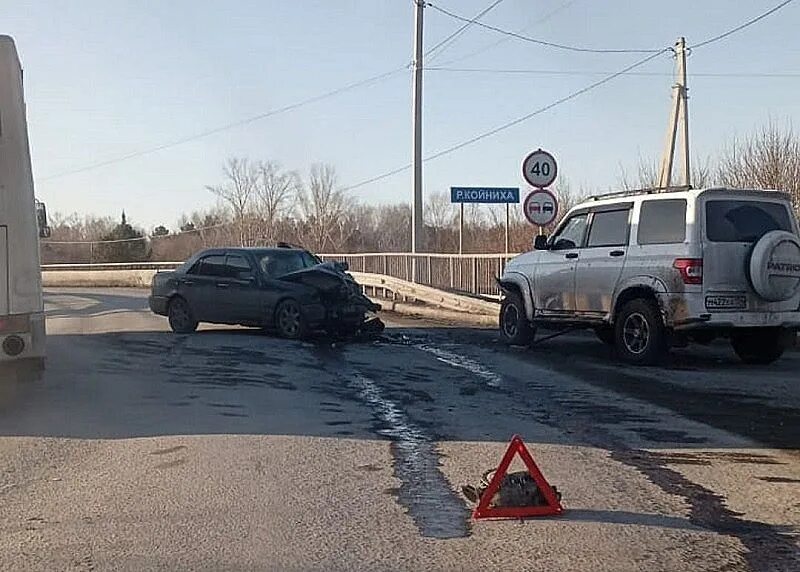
(691, 269)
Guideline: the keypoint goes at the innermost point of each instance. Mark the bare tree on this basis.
(647, 175)
(275, 193)
(323, 207)
(767, 159)
(439, 211)
(237, 193)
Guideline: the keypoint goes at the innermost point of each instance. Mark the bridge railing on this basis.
(466, 273)
(470, 273)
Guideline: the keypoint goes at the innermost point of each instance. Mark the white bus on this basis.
(22, 327)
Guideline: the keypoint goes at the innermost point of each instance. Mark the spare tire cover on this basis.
(775, 266)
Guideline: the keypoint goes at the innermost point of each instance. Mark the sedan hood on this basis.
(334, 283)
(325, 277)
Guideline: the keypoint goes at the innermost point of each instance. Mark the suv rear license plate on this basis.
(726, 302)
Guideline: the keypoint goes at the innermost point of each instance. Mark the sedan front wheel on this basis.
(289, 320)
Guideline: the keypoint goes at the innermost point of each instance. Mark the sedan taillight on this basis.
(691, 269)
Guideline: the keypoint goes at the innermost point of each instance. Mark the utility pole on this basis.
(416, 110)
(684, 111)
(679, 114)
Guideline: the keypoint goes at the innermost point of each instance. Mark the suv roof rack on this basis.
(648, 191)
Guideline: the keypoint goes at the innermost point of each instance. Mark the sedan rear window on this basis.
(744, 221)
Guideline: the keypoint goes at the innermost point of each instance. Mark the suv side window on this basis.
(609, 228)
(662, 222)
(571, 234)
(238, 268)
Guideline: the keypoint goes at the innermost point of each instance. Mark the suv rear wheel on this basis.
(760, 346)
(640, 335)
(514, 324)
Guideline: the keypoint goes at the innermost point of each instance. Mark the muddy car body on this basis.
(288, 289)
(653, 268)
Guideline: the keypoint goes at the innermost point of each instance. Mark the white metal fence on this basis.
(466, 273)
(470, 273)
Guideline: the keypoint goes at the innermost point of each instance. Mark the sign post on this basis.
(541, 206)
(508, 224)
(461, 229)
(484, 195)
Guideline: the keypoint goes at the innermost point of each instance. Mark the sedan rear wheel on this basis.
(289, 320)
(181, 318)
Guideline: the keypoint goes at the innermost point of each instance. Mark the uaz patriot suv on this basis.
(654, 268)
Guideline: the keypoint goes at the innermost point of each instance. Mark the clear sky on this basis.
(105, 78)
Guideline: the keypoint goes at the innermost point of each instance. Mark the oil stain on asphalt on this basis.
(434, 507)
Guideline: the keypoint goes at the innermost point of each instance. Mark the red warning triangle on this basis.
(553, 506)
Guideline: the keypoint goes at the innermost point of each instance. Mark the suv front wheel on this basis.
(514, 324)
(760, 346)
(639, 335)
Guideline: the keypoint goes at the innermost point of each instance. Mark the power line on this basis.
(543, 42)
(514, 122)
(742, 26)
(239, 123)
(589, 73)
(548, 107)
(377, 178)
(444, 44)
(504, 39)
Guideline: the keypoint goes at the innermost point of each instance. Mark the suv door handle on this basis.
(186, 282)
(222, 285)
(571, 255)
(617, 253)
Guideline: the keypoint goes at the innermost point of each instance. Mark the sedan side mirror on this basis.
(343, 265)
(540, 242)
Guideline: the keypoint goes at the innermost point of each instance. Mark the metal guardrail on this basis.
(425, 294)
(466, 273)
(112, 266)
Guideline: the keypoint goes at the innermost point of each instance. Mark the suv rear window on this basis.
(744, 221)
(662, 222)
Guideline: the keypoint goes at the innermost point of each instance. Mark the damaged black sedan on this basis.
(287, 289)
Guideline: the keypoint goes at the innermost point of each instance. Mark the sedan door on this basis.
(198, 287)
(554, 279)
(239, 292)
(602, 260)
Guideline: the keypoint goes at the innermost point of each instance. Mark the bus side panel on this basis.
(17, 205)
(4, 286)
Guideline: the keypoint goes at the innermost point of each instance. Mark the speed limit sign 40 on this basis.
(540, 169)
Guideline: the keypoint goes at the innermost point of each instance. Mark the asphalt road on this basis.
(230, 449)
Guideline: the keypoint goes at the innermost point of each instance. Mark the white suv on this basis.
(655, 268)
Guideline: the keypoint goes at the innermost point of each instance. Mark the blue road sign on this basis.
(484, 195)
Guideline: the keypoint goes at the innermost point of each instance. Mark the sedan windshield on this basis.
(277, 264)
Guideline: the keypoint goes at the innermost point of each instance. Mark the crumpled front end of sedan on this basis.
(347, 310)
